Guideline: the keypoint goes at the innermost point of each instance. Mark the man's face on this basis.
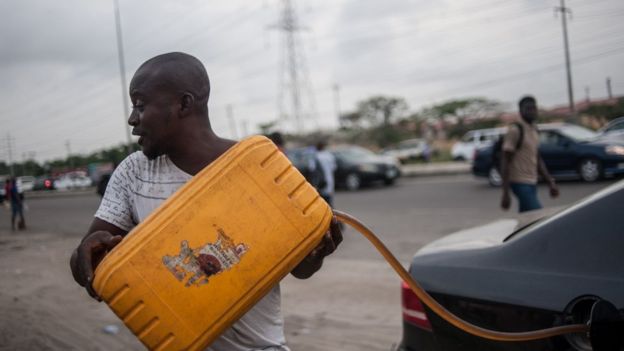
(152, 114)
(528, 111)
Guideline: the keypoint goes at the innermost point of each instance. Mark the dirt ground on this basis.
(350, 305)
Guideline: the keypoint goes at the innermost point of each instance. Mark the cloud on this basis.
(60, 75)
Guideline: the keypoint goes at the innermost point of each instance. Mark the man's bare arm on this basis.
(543, 171)
(505, 162)
(99, 240)
(314, 261)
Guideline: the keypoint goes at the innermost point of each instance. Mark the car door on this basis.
(557, 151)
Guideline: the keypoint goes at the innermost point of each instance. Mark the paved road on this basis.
(354, 302)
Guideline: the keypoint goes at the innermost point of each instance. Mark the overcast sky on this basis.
(60, 85)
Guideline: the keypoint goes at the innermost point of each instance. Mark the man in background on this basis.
(521, 162)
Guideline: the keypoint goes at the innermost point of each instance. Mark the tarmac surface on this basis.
(353, 303)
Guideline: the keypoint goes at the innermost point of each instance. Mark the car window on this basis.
(410, 144)
(616, 126)
(578, 133)
(549, 138)
(354, 153)
(468, 137)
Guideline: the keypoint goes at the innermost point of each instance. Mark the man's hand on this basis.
(506, 200)
(89, 254)
(554, 189)
(314, 260)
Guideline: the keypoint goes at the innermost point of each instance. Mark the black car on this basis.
(547, 273)
(569, 151)
(357, 166)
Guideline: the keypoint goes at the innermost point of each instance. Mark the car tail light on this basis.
(413, 309)
(474, 154)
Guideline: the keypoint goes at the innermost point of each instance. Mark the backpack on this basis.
(497, 149)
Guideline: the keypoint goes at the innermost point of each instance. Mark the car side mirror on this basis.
(606, 325)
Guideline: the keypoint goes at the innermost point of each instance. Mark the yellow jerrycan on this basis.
(214, 248)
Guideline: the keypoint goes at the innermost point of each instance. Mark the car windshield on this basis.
(355, 153)
(578, 133)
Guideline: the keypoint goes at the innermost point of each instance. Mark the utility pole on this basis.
(587, 94)
(230, 116)
(337, 101)
(295, 78)
(10, 149)
(609, 92)
(244, 125)
(122, 72)
(564, 23)
(69, 158)
(23, 163)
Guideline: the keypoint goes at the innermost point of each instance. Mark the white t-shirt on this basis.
(136, 188)
(328, 165)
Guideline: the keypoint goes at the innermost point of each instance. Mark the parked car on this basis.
(614, 130)
(26, 183)
(43, 183)
(72, 181)
(2, 190)
(508, 276)
(569, 151)
(410, 149)
(357, 166)
(464, 149)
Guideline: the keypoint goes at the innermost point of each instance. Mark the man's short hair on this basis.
(180, 71)
(526, 99)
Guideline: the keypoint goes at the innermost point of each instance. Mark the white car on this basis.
(25, 183)
(409, 149)
(68, 182)
(464, 149)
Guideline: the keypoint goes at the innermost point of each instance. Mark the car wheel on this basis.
(494, 177)
(353, 182)
(459, 158)
(590, 169)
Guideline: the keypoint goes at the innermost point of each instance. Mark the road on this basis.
(354, 302)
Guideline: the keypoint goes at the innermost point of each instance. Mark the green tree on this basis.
(608, 112)
(460, 112)
(382, 110)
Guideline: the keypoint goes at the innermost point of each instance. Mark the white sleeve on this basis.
(117, 203)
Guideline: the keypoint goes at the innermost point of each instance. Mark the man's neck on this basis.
(199, 150)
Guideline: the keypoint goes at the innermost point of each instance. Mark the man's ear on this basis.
(187, 104)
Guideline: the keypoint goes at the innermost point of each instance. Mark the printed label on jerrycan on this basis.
(194, 266)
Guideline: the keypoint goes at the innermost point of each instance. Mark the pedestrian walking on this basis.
(327, 164)
(17, 204)
(521, 162)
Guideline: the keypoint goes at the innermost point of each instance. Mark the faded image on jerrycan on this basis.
(212, 250)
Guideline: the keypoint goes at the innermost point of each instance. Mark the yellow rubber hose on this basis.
(443, 312)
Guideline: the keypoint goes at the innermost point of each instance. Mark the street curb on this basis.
(55, 193)
(433, 169)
